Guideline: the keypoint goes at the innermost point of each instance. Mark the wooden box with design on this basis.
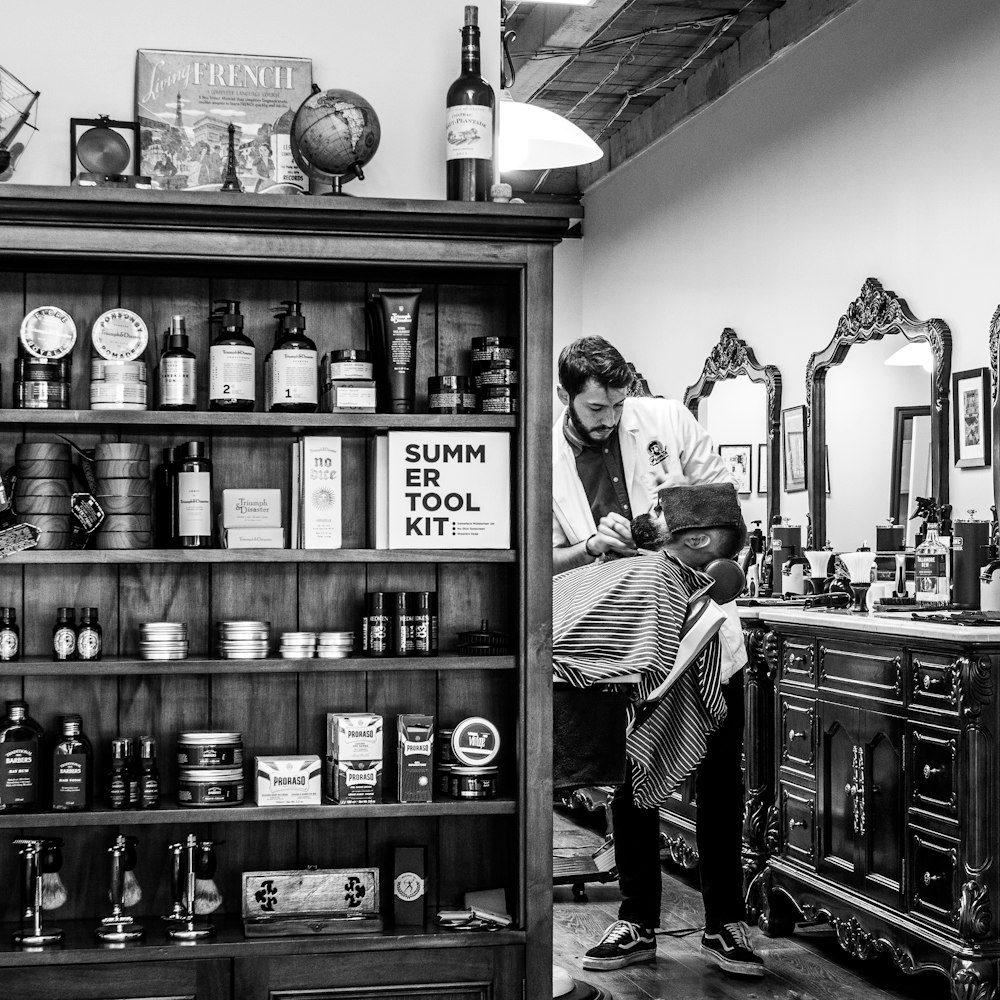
(311, 901)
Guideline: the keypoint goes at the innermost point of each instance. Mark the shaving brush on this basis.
(207, 898)
(859, 566)
(50, 860)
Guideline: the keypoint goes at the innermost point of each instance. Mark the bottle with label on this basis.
(193, 516)
(89, 635)
(149, 774)
(72, 768)
(420, 624)
(402, 630)
(931, 567)
(163, 501)
(469, 123)
(175, 373)
(133, 769)
(118, 776)
(378, 627)
(20, 759)
(292, 367)
(10, 635)
(64, 635)
(231, 361)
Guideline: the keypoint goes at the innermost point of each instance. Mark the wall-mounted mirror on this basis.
(995, 382)
(738, 401)
(867, 438)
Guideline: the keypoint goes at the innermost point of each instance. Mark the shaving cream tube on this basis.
(399, 328)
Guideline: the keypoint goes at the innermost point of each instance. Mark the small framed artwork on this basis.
(793, 449)
(970, 394)
(737, 458)
(762, 468)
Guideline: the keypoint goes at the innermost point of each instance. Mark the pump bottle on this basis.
(232, 361)
(291, 366)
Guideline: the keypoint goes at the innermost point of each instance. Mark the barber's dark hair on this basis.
(593, 358)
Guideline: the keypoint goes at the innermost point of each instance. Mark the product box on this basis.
(356, 395)
(251, 508)
(288, 780)
(319, 493)
(409, 885)
(253, 538)
(415, 757)
(353, 757)
(354, 782)
(378, 492)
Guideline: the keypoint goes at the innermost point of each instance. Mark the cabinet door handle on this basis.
(793, 823)
(795, 734)
(929, 683)
(928, 770)
(929, 878)
(851, 789)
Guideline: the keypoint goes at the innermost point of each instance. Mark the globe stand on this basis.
(339, 180)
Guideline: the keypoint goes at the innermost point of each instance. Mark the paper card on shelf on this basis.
(449, 490)
(378, 496)
(295, 495)
(319, 472)
(253, 538)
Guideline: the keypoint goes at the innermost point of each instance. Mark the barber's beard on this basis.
(648, 533)
(588, 436)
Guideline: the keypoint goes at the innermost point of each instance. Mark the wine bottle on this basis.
(469, 130)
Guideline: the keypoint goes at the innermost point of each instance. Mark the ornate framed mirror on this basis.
(995, 395)
(730, 359)
(855, 417)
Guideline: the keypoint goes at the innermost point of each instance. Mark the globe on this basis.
(334, 134)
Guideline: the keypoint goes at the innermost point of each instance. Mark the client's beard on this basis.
(647, 533)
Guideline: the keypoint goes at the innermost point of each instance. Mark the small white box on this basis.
(319, 473)
(289, 780)
(254, 538)
(251, 508)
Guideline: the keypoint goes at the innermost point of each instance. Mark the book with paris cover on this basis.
(185, 102)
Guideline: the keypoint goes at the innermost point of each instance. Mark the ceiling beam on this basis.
(784, 27)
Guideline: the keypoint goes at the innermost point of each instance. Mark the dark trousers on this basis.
(719, 831)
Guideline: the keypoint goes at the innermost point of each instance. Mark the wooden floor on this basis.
(798, 968)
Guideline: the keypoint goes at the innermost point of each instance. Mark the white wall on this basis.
(871, 149)
(401, 56)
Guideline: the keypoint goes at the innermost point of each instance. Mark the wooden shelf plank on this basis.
(122, 666)
(112, 557)
(251, 813)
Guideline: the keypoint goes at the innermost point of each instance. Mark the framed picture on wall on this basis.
(738, 461)
(762, 468)
(970, 394)
(793, 449)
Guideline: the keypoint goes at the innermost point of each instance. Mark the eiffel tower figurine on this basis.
(231, 182)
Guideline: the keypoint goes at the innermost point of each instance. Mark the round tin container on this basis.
(475, 742)
(486, 349)
(119, 335)
(117, 371)
(473, 782)
(36, 370)
(41, 395)
(500, 371)
(443, 743)
(450, 394)
(444, 778)
(349, 363)
(48, 332)
(115, 393)
(209, 750)
(498, 399)
(197, 786)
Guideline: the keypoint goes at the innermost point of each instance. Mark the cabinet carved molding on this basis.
(976, 679)
(971, 980)
(856, 940)
(679, 851)
(755, 816)
(771, 650)
(975, 912)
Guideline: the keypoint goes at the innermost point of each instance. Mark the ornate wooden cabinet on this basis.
(886, 811)
(484, 270)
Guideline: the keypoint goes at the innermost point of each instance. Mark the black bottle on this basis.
(118, 776)
(64, 635)
(164, 501)
(89, 635)
(378, 626)
(421, 625)
(72, 768)
(20, 760)
(149, 775)
(193, 492)
(469, 128)
(292, 366)
(232, 362)
(10, 636)
(175, 373)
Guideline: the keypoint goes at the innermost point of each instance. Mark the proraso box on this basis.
(288, 780)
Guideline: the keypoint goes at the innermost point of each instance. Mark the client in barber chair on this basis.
(626, 617)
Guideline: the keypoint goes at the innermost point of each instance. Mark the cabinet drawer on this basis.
(934, 874)
(797, 816)
(934, 770)
(935, 681)
(798, 735)
(798, 661)
(861, 669)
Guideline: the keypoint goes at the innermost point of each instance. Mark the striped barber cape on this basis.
(645, 616)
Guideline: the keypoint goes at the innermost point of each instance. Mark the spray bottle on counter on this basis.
(989, 577)
(175, 372)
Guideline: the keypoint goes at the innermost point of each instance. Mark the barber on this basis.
(611, 454)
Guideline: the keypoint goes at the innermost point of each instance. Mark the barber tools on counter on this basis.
(192, 889)
(41, 889)
(859, 566)
(819, 561)
(118, 927)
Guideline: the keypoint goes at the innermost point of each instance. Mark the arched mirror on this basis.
(738, 401)
(878, 419)
(995, 383)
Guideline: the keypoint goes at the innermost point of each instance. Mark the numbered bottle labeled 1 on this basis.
(193, 496)
(291, 368)
(231, 361)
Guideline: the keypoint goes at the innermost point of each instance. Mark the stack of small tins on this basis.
(400, 624)
(123, 490)
(495, 371)
(43, 367)
(117, 369)
(42, 490)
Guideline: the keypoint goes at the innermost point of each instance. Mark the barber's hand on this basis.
(614, 536)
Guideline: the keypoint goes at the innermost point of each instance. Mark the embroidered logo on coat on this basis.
(657, 453)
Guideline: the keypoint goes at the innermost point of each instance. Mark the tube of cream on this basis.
(399, 328)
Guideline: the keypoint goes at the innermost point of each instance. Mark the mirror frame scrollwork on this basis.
(874, 314)
(995, 394)
(729, 359)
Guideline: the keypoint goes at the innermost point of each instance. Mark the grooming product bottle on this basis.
(421, 627)
(931, 566)
(64, 635)
(175, 374)
(89, 635)
(193, 514)
(292, 368)
(149, 774)
(969, 545)
(164, 501)
(133, 770)
(402, 636)
(378, 625)
(72, 767)
(10, 636)
(20, 759)
(231, 361)
(118, 775)
(469, 123)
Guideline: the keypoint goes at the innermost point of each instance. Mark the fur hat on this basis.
(711, 505)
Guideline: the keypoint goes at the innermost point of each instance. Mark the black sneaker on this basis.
(623, 943)
(731, 950)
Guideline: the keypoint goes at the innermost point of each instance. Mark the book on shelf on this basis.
(316, 493)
